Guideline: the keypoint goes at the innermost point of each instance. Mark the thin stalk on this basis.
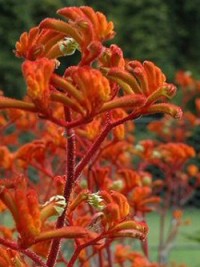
(95, 146)
(80, 248)
(100, 258)
(14, 246)
(161, 236)
(55, 246)
(109, 254)
(91, 152)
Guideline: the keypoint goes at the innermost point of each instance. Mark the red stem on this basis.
(108, 250)
(100, 258)
(81, 247)
(95, 146)
(14, 246)
(55, 246)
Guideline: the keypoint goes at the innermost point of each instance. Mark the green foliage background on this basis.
(166, 32)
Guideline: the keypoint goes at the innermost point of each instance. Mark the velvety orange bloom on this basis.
(175, 153)
(112, 57)
(34, 151)
(145, 148)
(148, 80)
(116, 207)
(87, 27)
(37, 75)
(142, 200)
(94, 88)
(37, 43)
(130, 179)
(23, 202)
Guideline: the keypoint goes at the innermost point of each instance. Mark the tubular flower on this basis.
(37, 43)
(130, 178)
(87, 27)
(147, 80)
(37, 75)
(24, 206)
(93, 87)
(141, 199)
(34, 151)
(175, 153)
(112, 57)
(116, 207)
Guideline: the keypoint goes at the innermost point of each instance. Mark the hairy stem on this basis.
(55, 246)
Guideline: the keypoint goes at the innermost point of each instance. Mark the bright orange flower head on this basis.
(147, 80)
(95, 22)
(93, 86)
(37, 75)
(86, 27)
(175, 153)
(37, 43)
(116, 207)
(24, 207)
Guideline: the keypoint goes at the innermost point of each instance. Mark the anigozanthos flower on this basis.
(37, 75)
(87, 28)
(38, 43)
(24, 207)
(92, 86)
(147, 80)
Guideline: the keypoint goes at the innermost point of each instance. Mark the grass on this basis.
(185, 251)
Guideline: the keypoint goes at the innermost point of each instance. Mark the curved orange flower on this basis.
(142, 200)
(87, 27)
(37, 75)
(93, 87)
(147, 80)
(36, 43)
(175, 153)
(23, 204)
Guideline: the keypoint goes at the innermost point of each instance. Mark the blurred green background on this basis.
(166, 32)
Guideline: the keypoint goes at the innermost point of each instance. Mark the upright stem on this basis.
(109, 254)
(100, 258)
(55, 246)
(161, 237)
(92, 150)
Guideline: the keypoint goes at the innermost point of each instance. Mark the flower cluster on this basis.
(74, 179)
